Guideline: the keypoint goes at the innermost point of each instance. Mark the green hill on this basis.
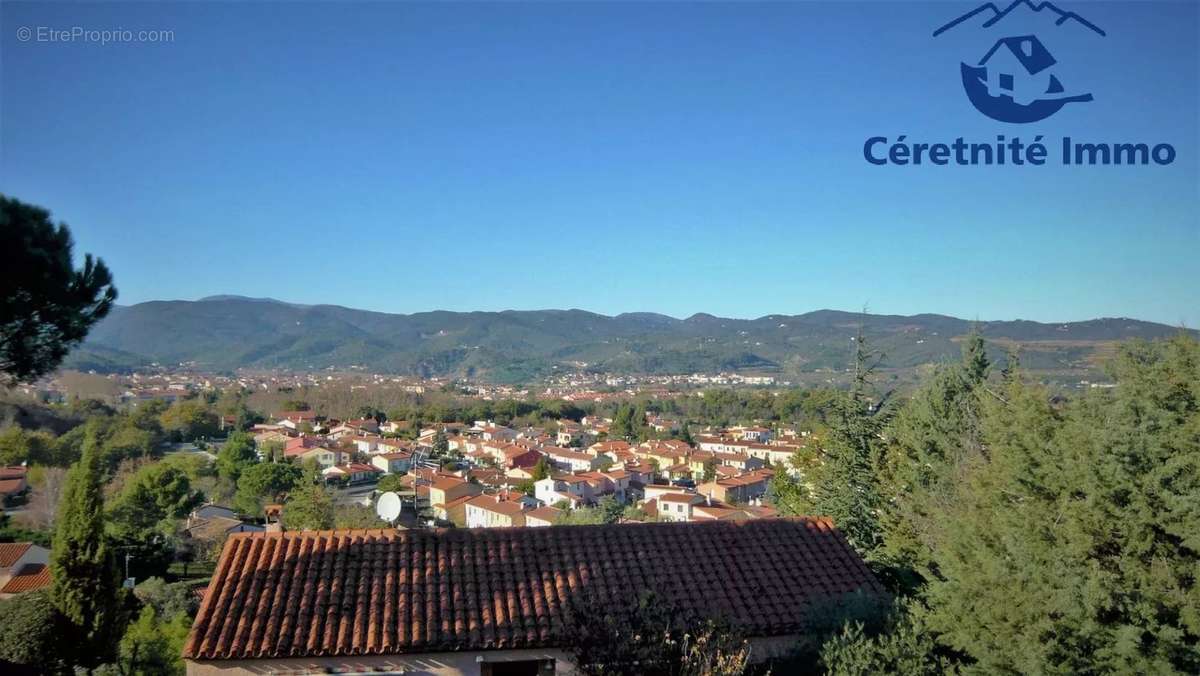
(225, 333)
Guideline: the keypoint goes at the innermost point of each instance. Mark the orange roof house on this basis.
(463, 599)
(23, 567)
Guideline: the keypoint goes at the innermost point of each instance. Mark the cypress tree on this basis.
(84, 587)
(846, 485)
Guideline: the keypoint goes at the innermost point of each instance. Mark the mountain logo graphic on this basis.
(1015, 81)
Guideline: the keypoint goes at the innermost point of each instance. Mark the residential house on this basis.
(302, 449)
(741, 488)
(354, 473)
(489, 511)
(393, 463)
(24, 567)
(570, 460)
(542, 516)
(264, 612)
(569, 433)
(12, 482)
(576, 491)
(713, 511)
(444, 490)
(678, 506)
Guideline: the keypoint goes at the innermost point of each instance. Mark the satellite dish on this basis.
(388, 506)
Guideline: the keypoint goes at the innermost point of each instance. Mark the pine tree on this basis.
(846, 487)
(975, 362)
(84, 585)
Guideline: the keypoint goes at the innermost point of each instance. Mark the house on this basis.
(571, 460)
(24, 567)
(393, 463)
(492, 432)
(324, 457)
(1017, 67)
(302, 449)
(12, 482)
(574, 490)
(270, 437)
(718, 512)
(741, 488)
(569, 432)
(678, 506)
(210, 510)
(461, 601)
(295, 420)
(354, 473)
(542, 516)
(753, 433)
(445, 490)
(489, 511)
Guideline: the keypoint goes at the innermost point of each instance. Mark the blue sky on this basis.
(671, 157)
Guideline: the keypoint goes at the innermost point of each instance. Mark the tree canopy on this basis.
(47, 305)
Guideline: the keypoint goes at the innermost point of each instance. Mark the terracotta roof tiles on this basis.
(11, 552)
(352, 592)
(31, 576)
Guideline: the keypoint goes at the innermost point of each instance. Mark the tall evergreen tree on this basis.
(931, 438)
(84, 587)
(845, 482)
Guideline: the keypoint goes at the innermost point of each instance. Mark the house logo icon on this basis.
(1015, 80)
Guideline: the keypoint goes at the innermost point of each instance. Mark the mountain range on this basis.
(223, 333)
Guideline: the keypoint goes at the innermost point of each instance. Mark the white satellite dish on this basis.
(388, 506)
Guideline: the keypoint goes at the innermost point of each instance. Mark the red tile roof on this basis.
(11, 486)
(10, 552)
(31, 576)
(350, 592)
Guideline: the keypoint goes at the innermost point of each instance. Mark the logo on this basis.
(1017, 78)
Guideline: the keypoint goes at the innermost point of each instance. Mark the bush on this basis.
(30, 631)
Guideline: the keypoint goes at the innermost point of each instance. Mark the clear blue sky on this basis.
(668, 157)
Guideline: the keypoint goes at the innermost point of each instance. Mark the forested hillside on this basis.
(229, 332)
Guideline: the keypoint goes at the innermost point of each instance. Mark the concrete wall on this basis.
(464, 663)
(427, 664)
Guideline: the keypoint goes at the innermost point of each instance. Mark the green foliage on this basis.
(32, 631)
(237, 454)
(18, 445)
(12, 533)
(541, 469)
(934, 437)
(904, 647)
(650, 637)
(390, 483)
(144, 516)
(623, 425)
(846, 483)
(84, 579)
(265, 483)
(607, 511)
(310, 507)
(168, 598)
(153, 647)
(356, 516)
(1075, 546)
(189, 419)
(47, 306)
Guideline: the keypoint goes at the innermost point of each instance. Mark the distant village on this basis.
(471, 475)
